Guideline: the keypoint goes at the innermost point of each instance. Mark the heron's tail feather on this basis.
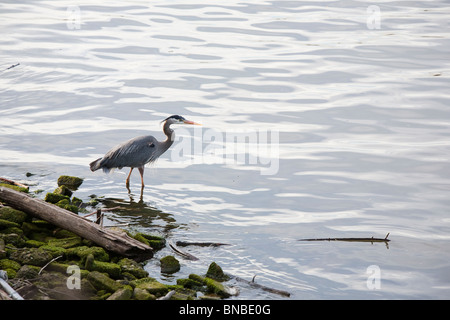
(95, 165)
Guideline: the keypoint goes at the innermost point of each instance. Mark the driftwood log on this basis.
(114, 241)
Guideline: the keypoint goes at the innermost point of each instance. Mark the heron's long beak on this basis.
(191, 122)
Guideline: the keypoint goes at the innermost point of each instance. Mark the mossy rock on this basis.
(83, 251)
(197, 278)
(12, 230)
(4, 224)
(70, 182)
(215, 272)
(13, 215)
(101, 281)
(151, 285)
(76, 201)
(190, 284)
(132, 267)
(29, 228)
(34, 243)
(124, 293)
(65, 204)
(55, 197)
(65, 242)
(184, 294)
(13, 239)
(220, 289)
(11, 273)
(169, 264)
(64, 191)
(14, 187)
(62, 233)
(153, 241)
(142, 294)
(54, 251)
(112, 269)
(9, 264)
(31, 256)
(28, 272)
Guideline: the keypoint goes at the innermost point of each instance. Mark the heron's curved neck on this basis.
(168, 132)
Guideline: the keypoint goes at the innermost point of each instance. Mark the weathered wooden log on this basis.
(117, 242)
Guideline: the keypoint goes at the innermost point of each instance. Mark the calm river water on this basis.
(319, 119)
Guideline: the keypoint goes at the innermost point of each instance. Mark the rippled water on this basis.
(358, 96)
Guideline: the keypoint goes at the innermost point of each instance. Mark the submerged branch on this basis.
(181, 253)
(259, 286)
(371, 239)
(201, 244)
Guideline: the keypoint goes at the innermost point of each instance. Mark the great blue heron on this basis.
(137, 152)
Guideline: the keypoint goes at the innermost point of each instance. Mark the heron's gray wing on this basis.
(132, 153)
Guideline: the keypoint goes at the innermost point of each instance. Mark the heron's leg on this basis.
(141, 171)
(127, 182)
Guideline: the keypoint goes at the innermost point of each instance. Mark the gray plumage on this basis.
(137, 152)
(134, 153)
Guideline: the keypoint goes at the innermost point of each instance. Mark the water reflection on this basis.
(136, 213)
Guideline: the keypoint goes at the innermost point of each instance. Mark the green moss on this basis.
(13, 215)
(14, 230)
(54, 251)
(132, 267)
(169, 264)
(100, 281)
(215, 272)
(7, 224)
(70, 182)
(76, 201)
(197, 278)
(9, 264)
(157, 244)
(140, 237)
(55, 197)
(58, 267)
(65, 204)
(62, 233)
(184, 294)
(28, 272)
(124, 293)
(112, 269)
(142, 294)
(43, 224)
(17, 188)
(29, 227)
(63, 190)
(153, 241)
(216, 287)
(13, 239)
(191, 284)
(32, 256)
(83, 251)
(11, 273)
(65, 242)
(34, 243)
(153, 287)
